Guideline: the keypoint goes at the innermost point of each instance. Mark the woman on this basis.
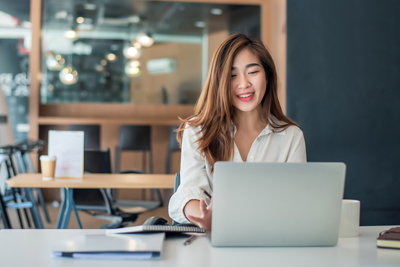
(237, 118)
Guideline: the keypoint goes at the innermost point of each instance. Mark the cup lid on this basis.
(46, 157)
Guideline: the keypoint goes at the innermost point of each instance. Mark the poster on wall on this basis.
(68, 147)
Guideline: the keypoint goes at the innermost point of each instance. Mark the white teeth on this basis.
(244, 96)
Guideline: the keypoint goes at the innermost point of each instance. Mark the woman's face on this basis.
(248, 84)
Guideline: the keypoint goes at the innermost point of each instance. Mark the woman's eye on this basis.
(233, 75)
(254, 72)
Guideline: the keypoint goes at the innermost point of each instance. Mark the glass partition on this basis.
(134, 52)
(15, 45)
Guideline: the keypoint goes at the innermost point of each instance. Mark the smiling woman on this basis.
(238, 118)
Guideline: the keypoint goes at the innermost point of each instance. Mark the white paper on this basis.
(109, 256)
(67, 146)
(101, 246)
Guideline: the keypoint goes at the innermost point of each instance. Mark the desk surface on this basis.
(95, 180)
(36, 246)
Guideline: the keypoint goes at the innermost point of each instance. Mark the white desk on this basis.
(33, 248)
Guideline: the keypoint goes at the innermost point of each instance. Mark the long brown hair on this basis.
(214, 110)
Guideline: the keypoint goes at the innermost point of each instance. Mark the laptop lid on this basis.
(277, 204)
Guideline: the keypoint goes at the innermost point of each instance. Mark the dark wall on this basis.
(343, 88)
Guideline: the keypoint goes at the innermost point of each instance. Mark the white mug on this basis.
(350, 218)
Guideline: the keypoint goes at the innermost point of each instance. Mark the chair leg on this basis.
(18, 210)
(70, 205)
(34, 210)
(22, 169)
(10, 169)
(62, 208)
(66, 216)
(28, 221)
(75, 211)
(43, 204)
(4, 215)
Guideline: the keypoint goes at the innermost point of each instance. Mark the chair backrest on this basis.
(95, 161)
(135, 137)
(176, 185)
(173, 145)
(91, 137)
(177, 181)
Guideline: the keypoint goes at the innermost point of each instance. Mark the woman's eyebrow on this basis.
(248, 66)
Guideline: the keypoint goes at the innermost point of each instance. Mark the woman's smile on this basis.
(246, 97)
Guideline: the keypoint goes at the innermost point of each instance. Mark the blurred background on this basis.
(136, 62)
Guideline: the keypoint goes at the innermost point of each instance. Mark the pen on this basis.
(189, 240)
(206, 193)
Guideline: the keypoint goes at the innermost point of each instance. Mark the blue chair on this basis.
(17, 198)
(4, 214)
(173, 146)
(25, 164)
(176, 185)
(3, 208)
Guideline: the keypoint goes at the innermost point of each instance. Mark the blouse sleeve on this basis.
(297, 152)
(193, 177)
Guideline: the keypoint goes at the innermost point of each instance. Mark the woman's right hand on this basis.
(199, 214)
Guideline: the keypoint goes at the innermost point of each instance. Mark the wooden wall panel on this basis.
(96, 110)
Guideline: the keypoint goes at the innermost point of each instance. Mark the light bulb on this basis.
(136, 44)
(111, 57)
(80, 19)
(70, 34)
(132, 68)
(68, 76)
(54, 62)
(144, 39)
(130, 51)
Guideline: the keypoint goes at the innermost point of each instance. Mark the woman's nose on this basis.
(243, 82)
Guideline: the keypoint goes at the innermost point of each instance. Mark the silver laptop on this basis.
(277, 204)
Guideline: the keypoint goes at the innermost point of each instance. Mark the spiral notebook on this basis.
(157, 228)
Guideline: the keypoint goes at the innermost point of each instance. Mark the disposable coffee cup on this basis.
(350, 218)
(48, 164)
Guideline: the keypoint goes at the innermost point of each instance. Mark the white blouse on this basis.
(269, 146)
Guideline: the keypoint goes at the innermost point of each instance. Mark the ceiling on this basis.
(20, 9)
(172, 18)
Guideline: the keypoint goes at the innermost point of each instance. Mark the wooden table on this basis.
(97, 180)
(94, 181)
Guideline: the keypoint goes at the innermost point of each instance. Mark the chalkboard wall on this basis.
(343, 88)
